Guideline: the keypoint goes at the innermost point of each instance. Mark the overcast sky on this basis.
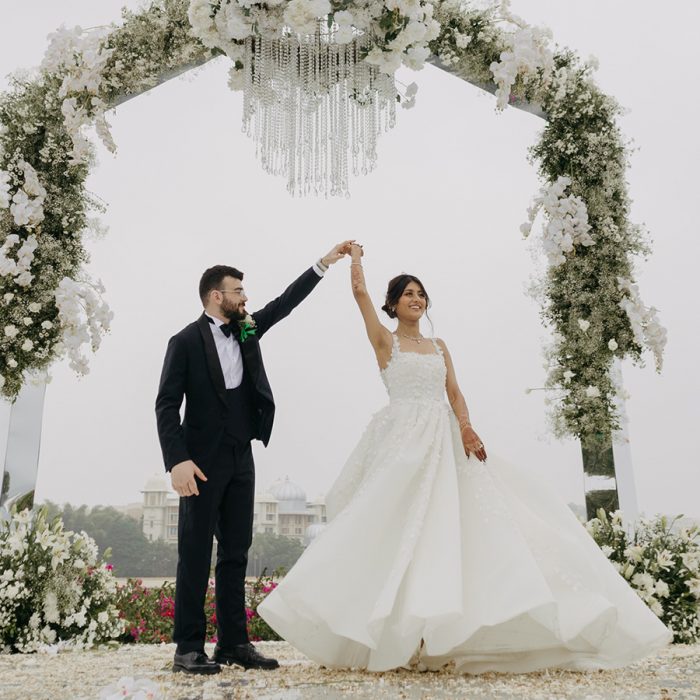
(445, 202)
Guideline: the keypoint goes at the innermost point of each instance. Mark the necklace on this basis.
(418, 340)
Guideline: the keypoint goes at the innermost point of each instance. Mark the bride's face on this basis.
(412, 303)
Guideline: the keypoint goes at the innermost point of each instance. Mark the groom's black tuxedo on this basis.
(192, 369)
(218, 425)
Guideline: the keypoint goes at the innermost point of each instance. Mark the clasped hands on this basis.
(338, 252)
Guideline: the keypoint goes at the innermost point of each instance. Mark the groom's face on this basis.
(233, 299)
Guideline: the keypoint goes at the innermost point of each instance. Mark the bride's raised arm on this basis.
(379, 335)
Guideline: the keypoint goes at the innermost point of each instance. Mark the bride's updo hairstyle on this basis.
(396, 289)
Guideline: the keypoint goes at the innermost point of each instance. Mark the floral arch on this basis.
(589, 299)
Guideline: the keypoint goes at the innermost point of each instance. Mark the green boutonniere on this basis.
(247, 327)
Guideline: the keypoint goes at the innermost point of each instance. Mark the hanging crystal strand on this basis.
(256, 92)
(343, 99)
(322, 143)
(310, 48)
(290, 116)
(247, 85)
(317, 121)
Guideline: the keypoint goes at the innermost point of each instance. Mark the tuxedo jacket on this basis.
(192, 370)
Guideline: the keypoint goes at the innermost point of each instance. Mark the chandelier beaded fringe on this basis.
(315, 109)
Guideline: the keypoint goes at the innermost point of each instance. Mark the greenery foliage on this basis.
(132, 554)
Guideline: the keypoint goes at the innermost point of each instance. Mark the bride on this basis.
(433, 555)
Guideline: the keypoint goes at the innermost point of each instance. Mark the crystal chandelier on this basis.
(315, 108)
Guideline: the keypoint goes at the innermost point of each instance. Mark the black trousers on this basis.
(223, 508)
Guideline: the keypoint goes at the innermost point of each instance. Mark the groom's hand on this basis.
(337, 253)
(182, 477)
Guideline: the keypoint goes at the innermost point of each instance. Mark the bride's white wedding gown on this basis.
(480, 561)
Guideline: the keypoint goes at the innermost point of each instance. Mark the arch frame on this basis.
(588, 295)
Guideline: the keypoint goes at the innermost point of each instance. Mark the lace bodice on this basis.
(415, 376)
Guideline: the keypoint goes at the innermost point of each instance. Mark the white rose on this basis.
(102, 617)
(415, 57)
(27, 321)
(592, 392)
(612, 344)
(583, 324)
(344, 18)
(24, 279)
(12, 362)
(462, 40)
(8, 297)
(568, 376)
(643, 581)
(662, 589)
(46, 325)
(35, 307)
(27, 345)
(11, 331)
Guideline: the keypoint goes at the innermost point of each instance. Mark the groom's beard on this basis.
(233, 313)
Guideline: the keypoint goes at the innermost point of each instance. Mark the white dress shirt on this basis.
(229, 350)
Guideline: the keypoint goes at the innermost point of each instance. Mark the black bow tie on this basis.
(225, 328)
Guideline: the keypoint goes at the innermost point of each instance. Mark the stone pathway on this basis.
(673, 674)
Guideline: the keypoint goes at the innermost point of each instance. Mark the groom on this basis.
(216, 365)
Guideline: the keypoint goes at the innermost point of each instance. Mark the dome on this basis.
(286, 490)
(265, 497)
(156, 483)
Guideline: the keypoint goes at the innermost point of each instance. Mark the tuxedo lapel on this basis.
(250, 352)
(212, 356)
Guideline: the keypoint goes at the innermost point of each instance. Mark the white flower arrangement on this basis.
(566, 225)
(400, 29)
(527, 57)
(646, 327)
(53, 587)
(47, 310)
(588, 239)
(662, 564)
(84, 318)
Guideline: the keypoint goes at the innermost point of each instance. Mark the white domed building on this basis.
(284, 510)
(160, 510)
(281, 510)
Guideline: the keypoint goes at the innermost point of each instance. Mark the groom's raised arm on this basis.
(298, 290)
(284, 304)
(168, 402)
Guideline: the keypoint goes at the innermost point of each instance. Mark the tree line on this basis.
(134, 555)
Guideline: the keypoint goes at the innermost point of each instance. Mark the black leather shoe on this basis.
(195, 662)
(245, 655)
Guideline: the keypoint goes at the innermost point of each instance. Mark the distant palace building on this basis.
(281, 510)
